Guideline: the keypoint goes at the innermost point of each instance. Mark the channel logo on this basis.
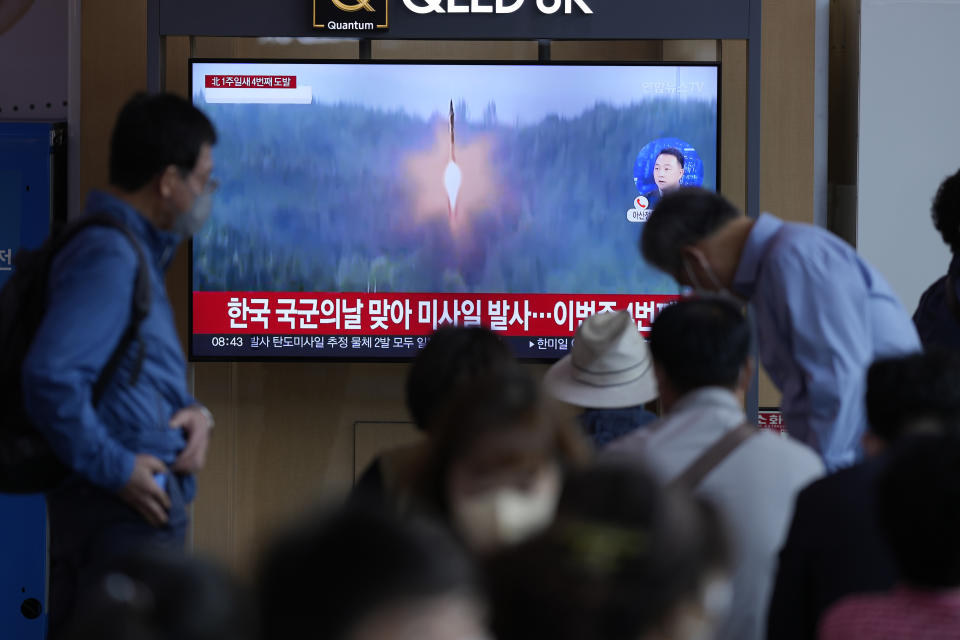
(547, 7)
(351, 15)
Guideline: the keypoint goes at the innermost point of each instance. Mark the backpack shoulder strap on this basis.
(691, 477)
(140, 303)
(62, 236)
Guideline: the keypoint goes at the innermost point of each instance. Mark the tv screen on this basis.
(360, 205)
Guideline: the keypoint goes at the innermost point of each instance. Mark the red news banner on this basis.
(249, 82)
(416, 314)
(772, 420)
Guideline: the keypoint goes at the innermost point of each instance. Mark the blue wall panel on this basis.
(23, 559)
(25, 215)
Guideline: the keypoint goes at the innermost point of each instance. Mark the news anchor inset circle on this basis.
(643, 167)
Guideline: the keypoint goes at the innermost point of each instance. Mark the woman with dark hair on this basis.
(496, 465)
(363, 574)
(453, 359)
(625, 559)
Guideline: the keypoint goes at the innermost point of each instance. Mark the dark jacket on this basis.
(833, 549)
(937, 324)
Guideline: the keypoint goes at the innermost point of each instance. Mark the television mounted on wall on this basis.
(362, 204)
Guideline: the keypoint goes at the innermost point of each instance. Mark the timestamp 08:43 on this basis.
(227, 341)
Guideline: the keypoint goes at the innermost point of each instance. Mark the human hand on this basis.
(196, 422)
(143, 493)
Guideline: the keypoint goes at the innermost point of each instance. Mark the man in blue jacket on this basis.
(132, 455)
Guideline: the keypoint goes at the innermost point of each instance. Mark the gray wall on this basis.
(909, 136)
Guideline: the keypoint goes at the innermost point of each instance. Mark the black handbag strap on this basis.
(691, 477)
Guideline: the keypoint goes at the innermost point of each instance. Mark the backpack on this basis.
(27, 463)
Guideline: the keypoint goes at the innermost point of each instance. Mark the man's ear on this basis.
(166, 181)
(693, 255)
(659, 375)
(692, 266)
(666, 394)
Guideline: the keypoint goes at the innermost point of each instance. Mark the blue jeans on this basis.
(90, 528)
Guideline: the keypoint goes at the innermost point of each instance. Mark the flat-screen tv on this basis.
(360, 204)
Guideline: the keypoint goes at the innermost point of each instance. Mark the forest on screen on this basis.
(348, 198)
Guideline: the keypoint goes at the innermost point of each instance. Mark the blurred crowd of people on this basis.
(506, 522)
(626, 495)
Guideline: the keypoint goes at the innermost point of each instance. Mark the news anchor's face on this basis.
(667, 172)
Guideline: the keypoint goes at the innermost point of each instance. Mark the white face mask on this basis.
(699, 620)
(193, 219)
(711, 275)
(717, 597)
(507, 515)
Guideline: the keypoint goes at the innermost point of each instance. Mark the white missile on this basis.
(452, 176)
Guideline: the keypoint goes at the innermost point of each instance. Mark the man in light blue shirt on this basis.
(823, 315)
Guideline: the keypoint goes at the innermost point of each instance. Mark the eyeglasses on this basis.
(210, 186)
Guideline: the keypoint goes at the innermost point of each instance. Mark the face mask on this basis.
(716, 597)
(714, 280)
(699, 620)
(193, 219)
(507, 515)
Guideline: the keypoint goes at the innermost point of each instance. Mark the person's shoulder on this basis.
(808, 244)
(633, 443)
(936, 288)
(644, 445)
(933, 319)
(841, 490)
(932, 296)
(796, 464)
(97, 243)
(638, 448)
(790, 450)
(804, 232)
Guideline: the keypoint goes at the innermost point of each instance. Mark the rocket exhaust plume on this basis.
(452, 176)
